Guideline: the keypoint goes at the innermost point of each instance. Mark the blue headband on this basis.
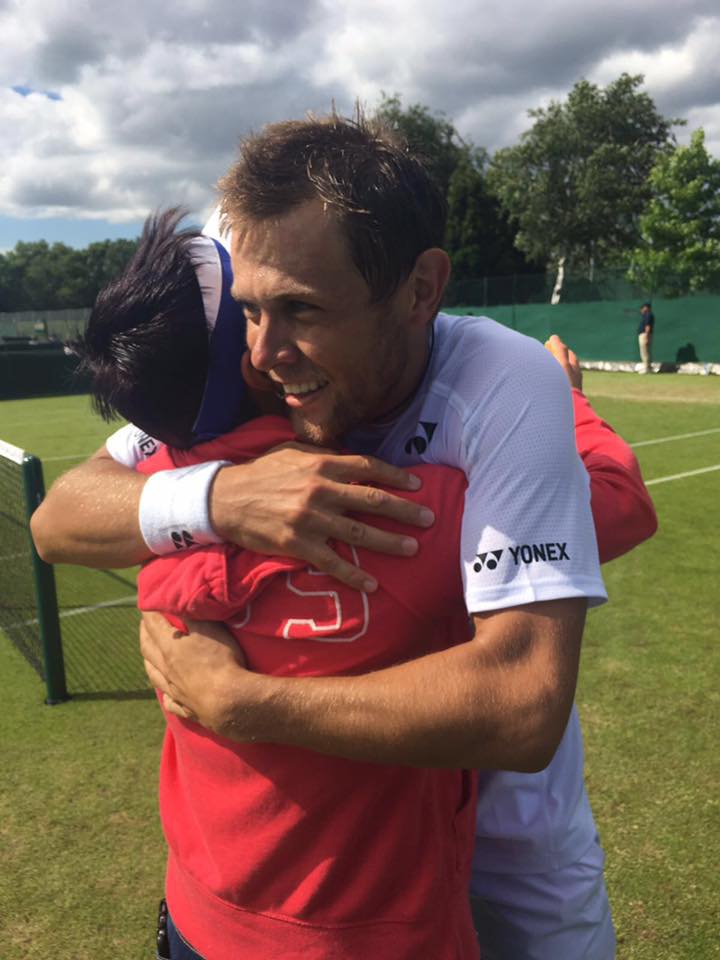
(224, 400)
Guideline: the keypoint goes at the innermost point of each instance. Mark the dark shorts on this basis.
(180, 949)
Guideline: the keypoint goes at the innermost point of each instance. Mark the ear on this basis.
(428, 280)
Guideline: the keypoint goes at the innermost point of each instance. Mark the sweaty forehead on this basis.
(304, 249)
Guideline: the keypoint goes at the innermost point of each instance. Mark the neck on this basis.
(420, 369)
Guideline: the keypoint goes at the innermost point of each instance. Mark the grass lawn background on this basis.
(82, 851)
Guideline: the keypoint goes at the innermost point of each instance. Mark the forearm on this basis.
(90, 517)
(623, 511)
(389, 717)
(489, 704)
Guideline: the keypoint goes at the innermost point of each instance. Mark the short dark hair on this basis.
(146, 343)
(386, 202)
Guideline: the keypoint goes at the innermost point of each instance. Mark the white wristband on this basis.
(174, 509)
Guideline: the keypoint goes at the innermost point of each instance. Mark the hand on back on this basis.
(295, 499)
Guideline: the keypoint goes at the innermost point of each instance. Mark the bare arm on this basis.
(499, 701)
(90, 516)
(290, 501)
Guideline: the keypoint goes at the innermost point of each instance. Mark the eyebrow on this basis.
(300, 292)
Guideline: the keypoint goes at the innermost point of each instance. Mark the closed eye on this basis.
(251, 311)
(300, 306)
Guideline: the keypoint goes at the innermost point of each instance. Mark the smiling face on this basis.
(337, 359)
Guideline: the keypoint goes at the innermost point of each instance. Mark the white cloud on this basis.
(154, 102)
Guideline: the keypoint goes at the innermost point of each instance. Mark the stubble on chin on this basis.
(312, 433)
(325, 434)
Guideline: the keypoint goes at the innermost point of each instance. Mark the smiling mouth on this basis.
(296, 393)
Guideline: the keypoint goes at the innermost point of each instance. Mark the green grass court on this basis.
(82, 852)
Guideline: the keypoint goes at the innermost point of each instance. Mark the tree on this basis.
(40, 276)
(576, 183)
(105, 260)
(680, 228)
(479, 238)
(430, 135)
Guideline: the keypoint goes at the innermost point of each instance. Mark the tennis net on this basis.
(28, 599)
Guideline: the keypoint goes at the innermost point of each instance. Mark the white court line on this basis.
(681, 476)
(76, 610)
(678, 436)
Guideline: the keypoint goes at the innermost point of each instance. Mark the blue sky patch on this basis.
(26, 91)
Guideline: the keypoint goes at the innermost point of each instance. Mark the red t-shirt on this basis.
(278, 851)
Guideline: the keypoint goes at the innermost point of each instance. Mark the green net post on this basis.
(47, 606)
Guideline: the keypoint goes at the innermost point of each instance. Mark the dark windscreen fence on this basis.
(28, 602)
(598, 315)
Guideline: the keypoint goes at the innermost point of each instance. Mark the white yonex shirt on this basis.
(497, 405)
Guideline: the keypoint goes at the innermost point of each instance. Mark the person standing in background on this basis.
(645, 335)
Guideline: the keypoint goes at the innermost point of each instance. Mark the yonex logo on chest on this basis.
(419, 444)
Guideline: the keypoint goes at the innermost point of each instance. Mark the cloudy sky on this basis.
(109, 109)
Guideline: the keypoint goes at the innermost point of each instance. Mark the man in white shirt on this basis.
(337, 262)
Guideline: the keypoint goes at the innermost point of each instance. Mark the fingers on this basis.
(359, 469)
(567, 360)
(322, 556)
(172, 706)
(217, 632)
(358, 534)
(341, 484)
(350, 492)
(362, 499)
(147, 647)
(557, 348)
(309, 496)
(155, 677)
(154, 629)
(327, 561)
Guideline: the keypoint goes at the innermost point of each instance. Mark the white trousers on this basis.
(560, 915)
(644, 342)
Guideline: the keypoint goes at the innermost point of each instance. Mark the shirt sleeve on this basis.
(623, 513)
(527, 532)
(130, 445)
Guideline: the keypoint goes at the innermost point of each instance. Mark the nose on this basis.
(270, 344)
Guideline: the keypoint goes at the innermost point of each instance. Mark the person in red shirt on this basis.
(232, 813)
(280, 851)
